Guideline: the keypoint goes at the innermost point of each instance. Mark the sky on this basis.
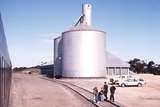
(132, 26)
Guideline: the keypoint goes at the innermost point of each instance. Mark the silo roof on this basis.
(114, 61)
(83, 27)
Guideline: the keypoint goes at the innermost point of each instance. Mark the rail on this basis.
(86, 94)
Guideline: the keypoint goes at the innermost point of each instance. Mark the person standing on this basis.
(112, 91)
(105, 87)
(95, 93)
(101, 95)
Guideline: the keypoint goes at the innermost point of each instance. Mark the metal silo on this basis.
(58, 57)
(83, 51)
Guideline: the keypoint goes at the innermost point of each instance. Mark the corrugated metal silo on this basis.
(58, 56)
(83, 52)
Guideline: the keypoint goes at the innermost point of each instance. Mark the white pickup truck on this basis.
(131, 82)
(114, 80)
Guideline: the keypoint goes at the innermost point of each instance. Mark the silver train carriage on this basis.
(5, 69)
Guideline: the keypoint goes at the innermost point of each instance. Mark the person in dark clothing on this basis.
(100, 94)
(112, 91)
(105, 87)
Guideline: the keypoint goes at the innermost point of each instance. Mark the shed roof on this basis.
(114, 61)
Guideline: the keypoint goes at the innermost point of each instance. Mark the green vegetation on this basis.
(140, 66)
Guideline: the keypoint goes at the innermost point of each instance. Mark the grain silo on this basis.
(81, 51)
(58, 56)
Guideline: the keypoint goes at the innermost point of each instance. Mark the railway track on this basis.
(79, 92)
(86, 94)
(76, 89)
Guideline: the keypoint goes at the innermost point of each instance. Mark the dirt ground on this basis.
(31, 91)
(146, 96)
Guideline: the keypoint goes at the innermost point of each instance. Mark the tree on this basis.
(139, 66)
(136, 65)
(150, 67)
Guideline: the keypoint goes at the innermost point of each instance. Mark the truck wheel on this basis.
(139, 85)
(123, 85)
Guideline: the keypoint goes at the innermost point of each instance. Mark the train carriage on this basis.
(5, 69)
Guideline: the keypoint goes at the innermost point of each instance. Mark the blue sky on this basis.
(132, 26)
